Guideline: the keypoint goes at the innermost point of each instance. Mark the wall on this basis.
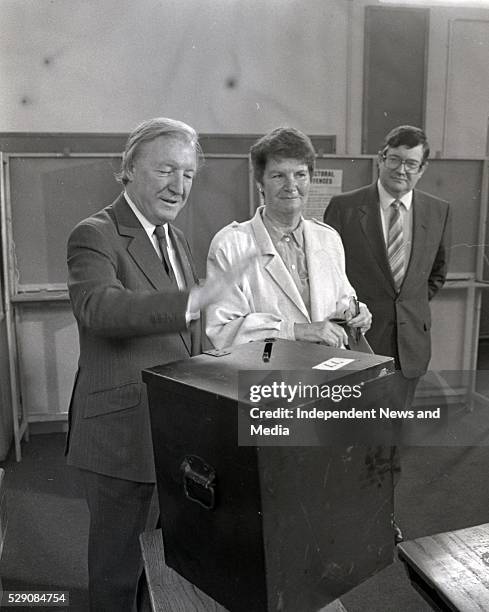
(458, 82)
(225, 66)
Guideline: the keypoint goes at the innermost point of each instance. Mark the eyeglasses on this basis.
(410, 165)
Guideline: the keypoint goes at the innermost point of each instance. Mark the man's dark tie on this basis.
(161, 235)
(395, 245)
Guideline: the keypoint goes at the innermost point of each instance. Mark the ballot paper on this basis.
(335, 363)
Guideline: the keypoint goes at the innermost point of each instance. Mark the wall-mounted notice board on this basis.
(462, 183)
(49, 195)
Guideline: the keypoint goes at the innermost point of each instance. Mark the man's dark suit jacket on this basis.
(401, 322)
(130, 317)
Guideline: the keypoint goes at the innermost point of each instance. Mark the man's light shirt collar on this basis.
(386, 198)
(149, 227)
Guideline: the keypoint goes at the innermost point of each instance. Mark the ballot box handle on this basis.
(199, 480)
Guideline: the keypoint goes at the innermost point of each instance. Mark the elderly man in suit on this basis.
(295, 287)
(396, 241)
(132, 289)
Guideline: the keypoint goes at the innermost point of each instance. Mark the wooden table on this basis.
(451, 570)
(170, 592)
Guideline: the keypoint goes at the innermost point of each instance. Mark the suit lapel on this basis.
(184, 256)
(316, 256)
(371, 224)
(420, 227)
(143, 253)
(274, 264)
(139, 246)
(193, 336)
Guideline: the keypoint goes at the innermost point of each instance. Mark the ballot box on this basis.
(266, 527)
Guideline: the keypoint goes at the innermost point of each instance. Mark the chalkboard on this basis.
(49, 195)
(220, 195)
(459, 181)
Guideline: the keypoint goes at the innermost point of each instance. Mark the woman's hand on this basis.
(325, 332)
(363, 320)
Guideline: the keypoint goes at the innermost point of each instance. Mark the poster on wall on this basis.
(325, 184)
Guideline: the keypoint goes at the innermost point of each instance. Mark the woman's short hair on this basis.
(408, 136)
(149, 130)
(282, 143)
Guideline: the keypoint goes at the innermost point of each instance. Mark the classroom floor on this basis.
(441, 489)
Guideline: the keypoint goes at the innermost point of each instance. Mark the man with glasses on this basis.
(396, 241)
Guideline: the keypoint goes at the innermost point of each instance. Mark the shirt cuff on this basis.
(287, 330)
(192, 312)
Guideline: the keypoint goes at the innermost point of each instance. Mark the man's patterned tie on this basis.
(395, 245)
